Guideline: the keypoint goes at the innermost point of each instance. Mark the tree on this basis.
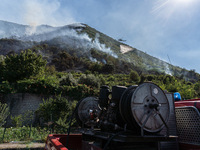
(17, 67)
(57, 107)
(134, 76)
(68, 80)
(90, 80)
(96, 67)
(109, 67)
(64, 61)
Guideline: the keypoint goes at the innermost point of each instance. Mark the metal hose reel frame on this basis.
(83, 108)
(141, 107)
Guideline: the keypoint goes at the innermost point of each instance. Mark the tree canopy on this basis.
(17, 67)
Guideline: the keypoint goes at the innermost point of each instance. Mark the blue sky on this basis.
(157, 27)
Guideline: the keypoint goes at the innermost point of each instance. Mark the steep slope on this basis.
(81, 39)
(135, 56)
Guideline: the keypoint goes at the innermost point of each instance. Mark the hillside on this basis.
(82, 40)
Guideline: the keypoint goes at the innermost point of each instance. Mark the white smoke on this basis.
(47, 33)
(104, 61)
(2, 32)
(93, 59)
(39, 12)
(65, 36)
(49, 12)
(36, 30)
(102, 47)
(167, 70)
(70, 37)
(2, 58)
(157, 64)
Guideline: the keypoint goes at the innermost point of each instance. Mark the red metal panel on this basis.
(54, 144)
(192, 102)
(58, 142)
(183, 146)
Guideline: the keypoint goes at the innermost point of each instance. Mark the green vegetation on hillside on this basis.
(75, 86)
(44, 67)
(53, 51)
(29, 79)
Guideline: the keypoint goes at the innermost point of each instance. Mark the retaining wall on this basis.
(20, 103)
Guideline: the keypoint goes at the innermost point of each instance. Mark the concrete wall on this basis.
(20, 103)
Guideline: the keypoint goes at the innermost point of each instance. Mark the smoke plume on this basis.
(64, 37)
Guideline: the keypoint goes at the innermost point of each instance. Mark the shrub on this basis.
(142, 78)
(57, 107)
(168, 79)
(51, 69)
(134, 76)
(88, 72)
(26, 64)
(109, 67)
(80, 91)
(23, 119)
(5, 87)
(17, 120)
(64, 61)
(102, 79)
(68, 80)
(4, 112)
(150, 77)
(89, 79)
(96, 67)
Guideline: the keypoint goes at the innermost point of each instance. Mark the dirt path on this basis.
(7, 146)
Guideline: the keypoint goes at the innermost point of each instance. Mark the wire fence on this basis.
(28, 126)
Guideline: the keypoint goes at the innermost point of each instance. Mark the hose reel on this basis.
(141, 105)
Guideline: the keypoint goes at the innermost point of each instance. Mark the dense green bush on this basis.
(23, 119)
(197, 88)
(142, 78)
(134, 76)
(4, 112)
(168, 79)
(96, 67)
(102, 79)
(64, 61)
(89, 80)
(6, 87)
(24, 134)
(56, 112)
(68, 80)
(108, 67)
(54, 108)
(150, 77)
(18, 67)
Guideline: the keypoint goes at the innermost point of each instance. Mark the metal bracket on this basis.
(142, 127)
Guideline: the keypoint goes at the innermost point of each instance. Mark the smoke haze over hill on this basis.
(66, 34)
(81, 39)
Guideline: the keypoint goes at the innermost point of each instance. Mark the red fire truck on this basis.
(181, 130)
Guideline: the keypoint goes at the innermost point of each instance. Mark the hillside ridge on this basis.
(81, 38)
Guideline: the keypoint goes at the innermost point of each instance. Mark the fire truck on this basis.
(137, 117)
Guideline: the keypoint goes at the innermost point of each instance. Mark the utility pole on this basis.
(169, 60)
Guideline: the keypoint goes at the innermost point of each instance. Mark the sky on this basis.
(166, 29)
